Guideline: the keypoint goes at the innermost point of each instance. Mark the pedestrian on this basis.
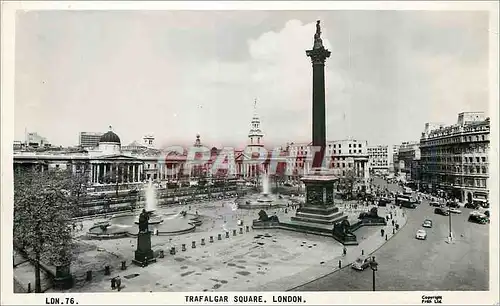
(344, 251)
(81, 226)
(118, 283)
(393, 222)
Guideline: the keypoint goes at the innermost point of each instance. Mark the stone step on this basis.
(319, 221)
(334, 215)
(328, 210)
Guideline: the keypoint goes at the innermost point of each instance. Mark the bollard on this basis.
(202, 241)
(234, 232)
(219, 237)
(193, 245)
(88, 276)
(241, 230)
(386, 237)
(227, 234)
(161, 254)
(340, 264)
(29, 287)
(107, 270)
(211, 239)
(184, 247)
(124, 265)
(393, 230)
(248, 228)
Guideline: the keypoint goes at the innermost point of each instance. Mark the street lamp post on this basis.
(449, 223)
(374, 267)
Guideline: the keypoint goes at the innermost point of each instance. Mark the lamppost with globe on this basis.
(374, 267)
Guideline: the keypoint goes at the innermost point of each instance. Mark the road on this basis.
(407, 264)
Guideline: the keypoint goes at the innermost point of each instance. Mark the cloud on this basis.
(175, 74)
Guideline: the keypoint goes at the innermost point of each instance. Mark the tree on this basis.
(347, 183)
(44, 205)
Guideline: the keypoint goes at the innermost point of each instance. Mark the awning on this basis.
(479, 200)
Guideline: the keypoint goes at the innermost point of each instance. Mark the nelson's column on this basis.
(319, 213)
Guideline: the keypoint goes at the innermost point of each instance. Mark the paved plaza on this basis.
(263, 260)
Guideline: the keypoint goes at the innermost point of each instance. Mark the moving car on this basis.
(435, 204)
(384, 201)
(477, 217)
(362, 263)
(421, 234)
(427, 223)
(471, 206)
(441, 211)
(407, 204)
(454, 211)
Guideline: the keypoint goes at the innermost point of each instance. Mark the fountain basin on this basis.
(123, 225)
(261, 201)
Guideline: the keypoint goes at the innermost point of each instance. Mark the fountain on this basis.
(264, 195)
(262, 200)
(150, 205)
(125, 224)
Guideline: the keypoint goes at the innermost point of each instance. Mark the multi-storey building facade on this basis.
(394, 160)
(409, 161)
(345, 156)
(110, 164)
(37, 141)
(89, 139)
(455, 158)
(378, 159)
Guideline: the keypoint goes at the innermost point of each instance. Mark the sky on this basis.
(174, 74)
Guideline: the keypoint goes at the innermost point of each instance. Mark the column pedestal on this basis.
(144, 254)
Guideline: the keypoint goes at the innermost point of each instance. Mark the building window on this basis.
(349, 145)
(349, 151)
(343, 165)
(340, 151)
(484, 169)
(359, 151)
(359, 145)
(483, 159)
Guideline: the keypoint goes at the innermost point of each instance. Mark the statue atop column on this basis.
(143, 221)
(318, 42)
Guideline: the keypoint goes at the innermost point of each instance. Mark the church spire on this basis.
(255, 134)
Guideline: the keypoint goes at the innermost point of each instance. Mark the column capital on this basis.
(318, 56)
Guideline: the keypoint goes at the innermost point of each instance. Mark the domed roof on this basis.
(110, 137)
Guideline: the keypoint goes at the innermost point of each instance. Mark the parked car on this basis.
(421, 234)
(435, 204)
(478, 217)
(362, 263)
(441, 211)
(427, 223)
(453, 205)
(454, 210)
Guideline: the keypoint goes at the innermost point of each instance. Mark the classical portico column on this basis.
(98, 172)
(133, 173)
